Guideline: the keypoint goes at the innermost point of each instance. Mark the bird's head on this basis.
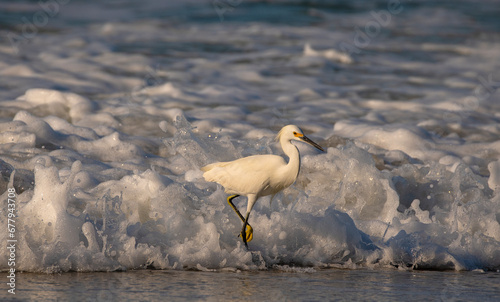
(292, 132)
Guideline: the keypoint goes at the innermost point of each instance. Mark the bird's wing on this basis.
(248, 175)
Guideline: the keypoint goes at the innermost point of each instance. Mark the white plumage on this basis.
(259, 175)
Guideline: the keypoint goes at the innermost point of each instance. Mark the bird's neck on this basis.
(293, 165)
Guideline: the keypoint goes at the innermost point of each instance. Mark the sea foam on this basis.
(95, 205)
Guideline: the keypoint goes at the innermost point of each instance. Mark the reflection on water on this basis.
(276, 285)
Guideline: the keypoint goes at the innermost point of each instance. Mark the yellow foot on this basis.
(248, 236)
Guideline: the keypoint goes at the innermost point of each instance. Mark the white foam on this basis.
(494, 179)
(330, 54)
(76, 105)
(343, 210)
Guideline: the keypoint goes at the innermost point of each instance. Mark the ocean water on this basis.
(108, 110)
(278, 284)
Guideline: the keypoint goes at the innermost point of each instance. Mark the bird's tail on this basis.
(211, 166)
(206, 168)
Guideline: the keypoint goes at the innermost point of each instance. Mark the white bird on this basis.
(259, 175)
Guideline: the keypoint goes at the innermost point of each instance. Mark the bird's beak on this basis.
(310, 142)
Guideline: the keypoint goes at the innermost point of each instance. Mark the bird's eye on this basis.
(294, 133)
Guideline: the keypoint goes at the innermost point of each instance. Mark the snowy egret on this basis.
(259, 175)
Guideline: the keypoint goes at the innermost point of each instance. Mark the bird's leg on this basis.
(230, 201)
(247, 232)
